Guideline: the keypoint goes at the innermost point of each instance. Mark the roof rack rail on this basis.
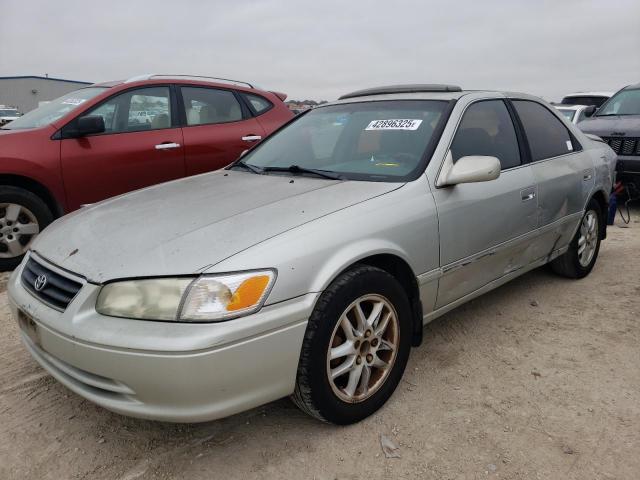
(148, 76)
(413, 88)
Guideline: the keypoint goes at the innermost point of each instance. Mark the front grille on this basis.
(624, 146)
(58, 290)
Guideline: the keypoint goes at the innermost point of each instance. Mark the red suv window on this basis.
(205, 106)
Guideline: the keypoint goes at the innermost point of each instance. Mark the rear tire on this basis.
(579, 259)
(372, 348)
(22, 216)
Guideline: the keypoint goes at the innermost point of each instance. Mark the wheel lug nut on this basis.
(9, 223)
(367, 334)
(10, 237)
(359, 360)
(15, 229)
(374, 342)
(369, 358)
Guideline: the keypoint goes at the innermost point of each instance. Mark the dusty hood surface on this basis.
(629, 125)
(186, 226)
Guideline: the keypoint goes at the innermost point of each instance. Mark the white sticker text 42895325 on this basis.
(394, 124)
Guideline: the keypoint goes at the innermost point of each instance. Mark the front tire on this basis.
(579, 259)
(355, 348)
(23, 215)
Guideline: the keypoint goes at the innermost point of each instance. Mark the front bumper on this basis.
(162, 370)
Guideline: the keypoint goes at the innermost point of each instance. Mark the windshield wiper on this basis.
(299, 169)
(247, 166)
(614, 114)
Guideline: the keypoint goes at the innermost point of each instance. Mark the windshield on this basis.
(55, 109)
(625, 102)
(568, 114)
(379, 141)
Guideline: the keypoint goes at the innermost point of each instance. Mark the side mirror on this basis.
(471, 169)
(590, 110)
(89, 125)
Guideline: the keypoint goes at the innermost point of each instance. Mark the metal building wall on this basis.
(26, 92)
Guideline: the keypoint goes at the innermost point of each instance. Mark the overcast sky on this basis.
(323, 48)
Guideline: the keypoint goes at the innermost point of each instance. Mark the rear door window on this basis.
(204, 106)
(546, 134)
(486, 129)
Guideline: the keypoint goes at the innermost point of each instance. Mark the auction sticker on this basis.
(394, 124)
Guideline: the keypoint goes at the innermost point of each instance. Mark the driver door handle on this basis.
(251, 138)
(167, 145)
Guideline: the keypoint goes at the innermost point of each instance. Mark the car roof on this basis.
(423, 92)
(590, 94)
(561, 106)
(179, 78)
(408, 88)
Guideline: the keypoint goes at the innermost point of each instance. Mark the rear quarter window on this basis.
(258, 104)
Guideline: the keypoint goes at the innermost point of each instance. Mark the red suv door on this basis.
(217, 128)
(136, 150)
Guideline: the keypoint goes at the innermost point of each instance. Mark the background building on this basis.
(26, 92)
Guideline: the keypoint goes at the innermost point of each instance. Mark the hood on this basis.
(189, 225)
(629, 125)
(14, 138)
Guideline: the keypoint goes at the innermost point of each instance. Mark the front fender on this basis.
(309, 257)
(350, 254)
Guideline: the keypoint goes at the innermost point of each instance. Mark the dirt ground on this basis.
(539, 379)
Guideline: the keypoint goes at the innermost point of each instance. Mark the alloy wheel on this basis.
(18, 227)
(588, 239)
(363, 348)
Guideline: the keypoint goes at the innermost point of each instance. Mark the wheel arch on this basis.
(34, 187)
(600, 197)
(402, 272)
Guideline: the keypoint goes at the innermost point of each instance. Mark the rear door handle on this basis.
(251, 138)
(167, 146)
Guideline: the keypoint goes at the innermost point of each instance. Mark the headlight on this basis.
(208, 298)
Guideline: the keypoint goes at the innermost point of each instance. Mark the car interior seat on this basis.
(227, 109)
(193, 116)
(208, 114)
(160, 121)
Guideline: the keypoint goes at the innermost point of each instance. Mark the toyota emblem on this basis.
(40, 282)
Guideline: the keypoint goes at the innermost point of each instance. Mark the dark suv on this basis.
(618, 123)
(111, 138)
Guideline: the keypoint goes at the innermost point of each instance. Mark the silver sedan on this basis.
(308, 267)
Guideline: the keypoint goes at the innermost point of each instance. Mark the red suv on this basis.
(111, 138)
